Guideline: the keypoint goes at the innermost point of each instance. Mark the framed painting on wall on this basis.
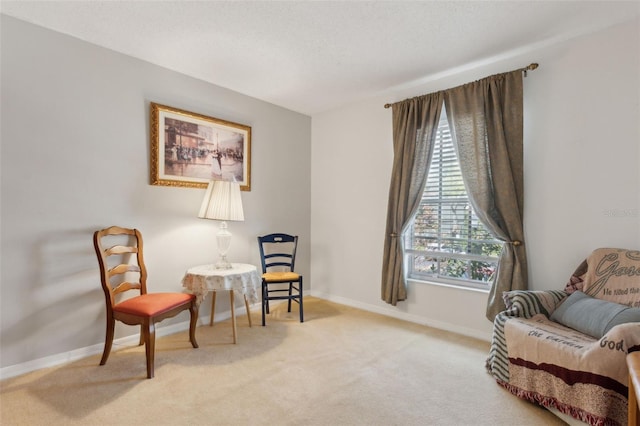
(190, 149)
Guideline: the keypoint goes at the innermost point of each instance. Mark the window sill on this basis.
(448, 285)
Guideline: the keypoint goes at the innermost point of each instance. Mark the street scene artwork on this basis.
(189, 149)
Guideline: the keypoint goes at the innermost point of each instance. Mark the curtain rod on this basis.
(532, 66)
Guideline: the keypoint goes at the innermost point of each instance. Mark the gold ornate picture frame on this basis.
(190, 149)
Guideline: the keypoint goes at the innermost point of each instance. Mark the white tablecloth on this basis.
(242, 278)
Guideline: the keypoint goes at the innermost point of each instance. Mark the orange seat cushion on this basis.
(280, 276)
(152, 304)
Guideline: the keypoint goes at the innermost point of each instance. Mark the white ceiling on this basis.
(312, 56)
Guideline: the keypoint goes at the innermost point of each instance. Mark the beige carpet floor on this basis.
(342, 366)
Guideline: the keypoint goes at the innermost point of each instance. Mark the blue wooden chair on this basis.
(278, 256)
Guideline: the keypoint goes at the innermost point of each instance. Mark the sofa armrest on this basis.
(520, 303)
(527, 303)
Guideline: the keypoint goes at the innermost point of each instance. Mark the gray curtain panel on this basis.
(486, 121)
(415, 122)
(487, 125)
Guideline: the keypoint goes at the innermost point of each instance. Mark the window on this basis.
(446, 242)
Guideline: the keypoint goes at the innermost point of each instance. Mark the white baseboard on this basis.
(440, 325)
(132, 340)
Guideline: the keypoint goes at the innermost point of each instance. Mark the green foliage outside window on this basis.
(461, 233)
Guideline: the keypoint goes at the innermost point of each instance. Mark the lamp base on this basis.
(224, 241)
(223, 263)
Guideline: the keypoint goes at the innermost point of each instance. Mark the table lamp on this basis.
(222, 202)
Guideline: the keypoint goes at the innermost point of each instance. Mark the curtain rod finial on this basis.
(532, 66)
(387, 105)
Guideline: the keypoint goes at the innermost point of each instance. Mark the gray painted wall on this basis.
(75, 158)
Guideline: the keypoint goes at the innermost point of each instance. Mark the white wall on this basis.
(582, 176)
(75, 158)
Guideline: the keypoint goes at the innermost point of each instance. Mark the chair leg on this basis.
(108, 340)
(150, 347)
(300, 293)
(193, 310)
(266, 294)
(141, 342)
(290, 294)
(264, 301)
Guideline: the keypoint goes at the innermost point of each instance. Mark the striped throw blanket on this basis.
(558, 367)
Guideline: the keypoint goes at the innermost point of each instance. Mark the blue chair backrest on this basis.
(278, 251)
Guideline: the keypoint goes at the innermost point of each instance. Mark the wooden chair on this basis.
(122, 270)
(278, 256)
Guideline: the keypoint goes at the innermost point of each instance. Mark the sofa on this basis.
(566, 349)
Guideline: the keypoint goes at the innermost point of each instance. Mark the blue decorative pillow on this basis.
(593, 316)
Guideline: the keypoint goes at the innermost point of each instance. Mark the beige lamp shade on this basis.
(222, 201)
